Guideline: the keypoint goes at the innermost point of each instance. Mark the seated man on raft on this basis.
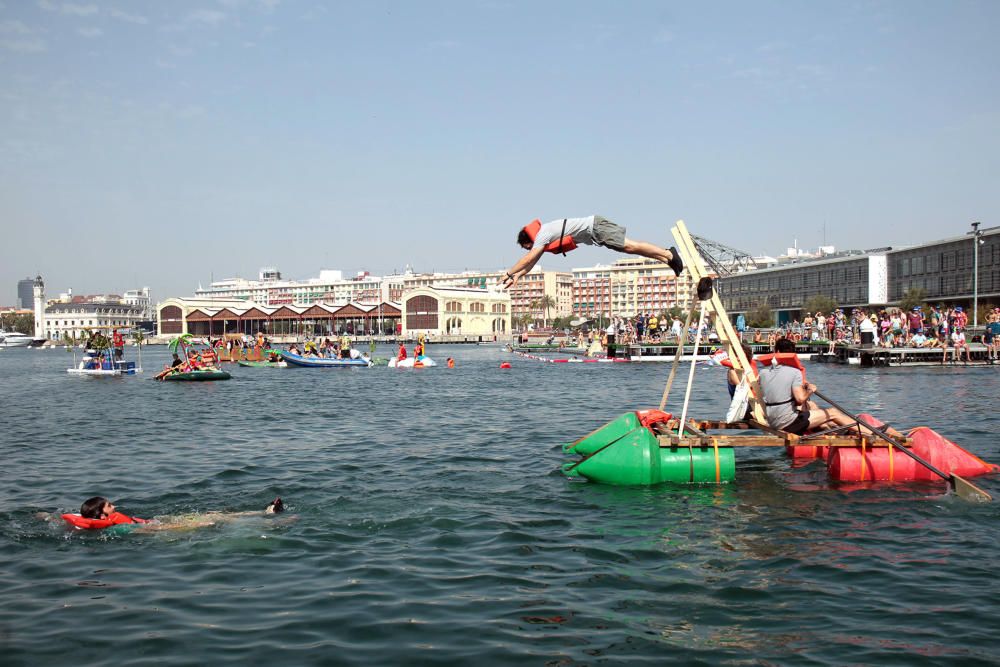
(786, 399)
(562, 236)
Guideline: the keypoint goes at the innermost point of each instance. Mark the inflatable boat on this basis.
(324, 362)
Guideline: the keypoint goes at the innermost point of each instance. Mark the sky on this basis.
(165, 144)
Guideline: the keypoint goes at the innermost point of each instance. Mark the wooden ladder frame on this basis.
(695, 264)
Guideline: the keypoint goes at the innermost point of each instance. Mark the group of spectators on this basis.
(940, 327)
(651, 329)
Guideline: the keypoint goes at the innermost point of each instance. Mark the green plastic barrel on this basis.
(638, 459)
(605, 435)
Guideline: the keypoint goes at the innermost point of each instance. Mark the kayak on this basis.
(324, 362)
(262, 364)
(197, 376)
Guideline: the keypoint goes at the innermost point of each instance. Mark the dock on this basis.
(869, 357)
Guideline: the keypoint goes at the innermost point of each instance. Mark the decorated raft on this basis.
(652, 446)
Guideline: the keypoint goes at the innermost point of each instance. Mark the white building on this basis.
(75, 318)
(456, 311)
(141, 299)
(330, 287)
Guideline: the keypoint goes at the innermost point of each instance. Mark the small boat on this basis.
(105, 356)
(263, 364)
(98, 366)
(199, 367)
(411, 362)
(14, 339)
(197, 376)
(325, 362)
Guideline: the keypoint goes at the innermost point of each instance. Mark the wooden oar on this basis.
(962, 487)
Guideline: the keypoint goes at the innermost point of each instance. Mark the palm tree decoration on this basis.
(546, 302)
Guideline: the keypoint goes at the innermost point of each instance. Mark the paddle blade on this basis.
(969, 491)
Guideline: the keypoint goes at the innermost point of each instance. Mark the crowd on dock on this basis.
(936, 327)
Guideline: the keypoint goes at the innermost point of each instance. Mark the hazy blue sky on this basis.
(162, 143)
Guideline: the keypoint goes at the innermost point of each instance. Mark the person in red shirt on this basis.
(402, 352)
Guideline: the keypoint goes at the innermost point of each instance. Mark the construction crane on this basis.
(722, 259)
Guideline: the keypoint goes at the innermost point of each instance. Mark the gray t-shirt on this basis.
(776, 383)
(580, 229)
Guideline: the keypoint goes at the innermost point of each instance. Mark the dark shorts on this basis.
(608, 234)
(800, 425)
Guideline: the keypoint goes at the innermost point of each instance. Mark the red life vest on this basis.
(113, 519)
(118, 339)
(789, 359)
(649, 418)
(562, 244)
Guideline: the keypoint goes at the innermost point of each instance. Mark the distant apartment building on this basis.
(140, 299)
(627, 288)
(526, 297)
(330, 287)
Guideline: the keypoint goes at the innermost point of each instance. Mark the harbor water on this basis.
(428, 523)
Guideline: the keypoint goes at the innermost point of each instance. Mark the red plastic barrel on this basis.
(848, 464)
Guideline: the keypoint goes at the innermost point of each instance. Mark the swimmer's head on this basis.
(275, 507)
(97, 507)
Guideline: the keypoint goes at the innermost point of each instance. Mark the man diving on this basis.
(561, 236)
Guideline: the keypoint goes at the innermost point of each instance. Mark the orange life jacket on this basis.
(563, 244)
(113, 519)
(649, 418)
(789, 359)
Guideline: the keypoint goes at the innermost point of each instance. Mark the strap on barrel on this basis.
(715, 445)
(863, 440)
(891, 469)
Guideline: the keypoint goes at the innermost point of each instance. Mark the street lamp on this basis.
(976, 242)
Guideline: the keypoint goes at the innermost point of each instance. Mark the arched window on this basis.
(477, 307)
(422, 312)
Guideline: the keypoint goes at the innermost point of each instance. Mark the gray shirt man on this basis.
(776, 383)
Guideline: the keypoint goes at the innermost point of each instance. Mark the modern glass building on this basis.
(853, 280)
(25, 295)
(943, 269)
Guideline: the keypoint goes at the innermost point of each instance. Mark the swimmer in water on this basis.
(98, 513)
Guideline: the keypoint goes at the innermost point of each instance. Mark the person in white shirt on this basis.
(958, 343)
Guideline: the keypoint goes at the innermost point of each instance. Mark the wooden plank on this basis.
(671, 440)
(723, 327)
